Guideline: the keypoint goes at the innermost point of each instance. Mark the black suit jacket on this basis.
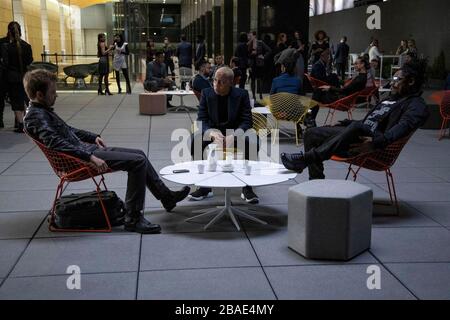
(239, 110)
(342, 52)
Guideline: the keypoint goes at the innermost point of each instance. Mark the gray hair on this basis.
(227, 72)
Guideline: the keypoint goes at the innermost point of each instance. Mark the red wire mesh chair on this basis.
(380, 160)
(315, 83)
(445, 113)
(70, 169)
(346, 104)
(367, 94)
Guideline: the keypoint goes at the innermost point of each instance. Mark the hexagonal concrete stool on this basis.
(330, 219)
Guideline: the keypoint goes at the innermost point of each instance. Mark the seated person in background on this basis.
(218, 63)
(393, 119)
(224, 107)
(157, 77)
(319, 70)
(44, 125)
(288, 81)
(201, 80)
(234, 65)
(330, 94)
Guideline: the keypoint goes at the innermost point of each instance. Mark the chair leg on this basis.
(350, 115)
(330, 113)
(58, 194)
(276, 133)
(443, 129)
(392, 191)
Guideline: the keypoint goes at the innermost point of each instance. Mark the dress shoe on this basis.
(135, 222)
(170, 202)
(295, 162)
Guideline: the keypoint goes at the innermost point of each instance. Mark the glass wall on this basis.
(140, 21)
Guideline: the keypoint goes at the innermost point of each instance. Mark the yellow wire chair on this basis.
(289, 107)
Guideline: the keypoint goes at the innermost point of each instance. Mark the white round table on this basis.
(181, 94)
(262, 174)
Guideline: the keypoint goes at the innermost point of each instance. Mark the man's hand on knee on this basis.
(99, 163)
(100, 143)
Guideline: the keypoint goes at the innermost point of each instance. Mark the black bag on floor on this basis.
(84, 211)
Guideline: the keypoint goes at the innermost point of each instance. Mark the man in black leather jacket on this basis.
(393, 119)
(44, 125)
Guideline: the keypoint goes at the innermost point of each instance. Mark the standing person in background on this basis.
(241, 53)
(269, 67)
(303, 48)
(16, 56)
(103, 52)
(184, 53)
(374, 52)
(257, 53)
(320, 45)
(200, 51)
(150, 51)
(403, 48)
(368, 47)
(169, 52)
(121, 53)
(341, 57)
(3, 41)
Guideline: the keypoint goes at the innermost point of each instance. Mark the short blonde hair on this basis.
(37, 80)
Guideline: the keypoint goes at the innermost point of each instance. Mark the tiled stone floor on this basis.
(185, 262)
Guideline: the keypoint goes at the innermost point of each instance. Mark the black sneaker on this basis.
(249, 196)
(175, 196)
(295, 162)
(201, 194)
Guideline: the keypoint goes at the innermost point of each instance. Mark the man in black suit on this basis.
(341, 57)
(184, 53)
(393, 119)
(225, 116)
(200, 51)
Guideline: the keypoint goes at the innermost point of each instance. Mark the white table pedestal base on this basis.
(229, 210)
(181, 107)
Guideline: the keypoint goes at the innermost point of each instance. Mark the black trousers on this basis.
(141, 174)
(324, 142)
(127, 79)
(243, 80)
(341, 67)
